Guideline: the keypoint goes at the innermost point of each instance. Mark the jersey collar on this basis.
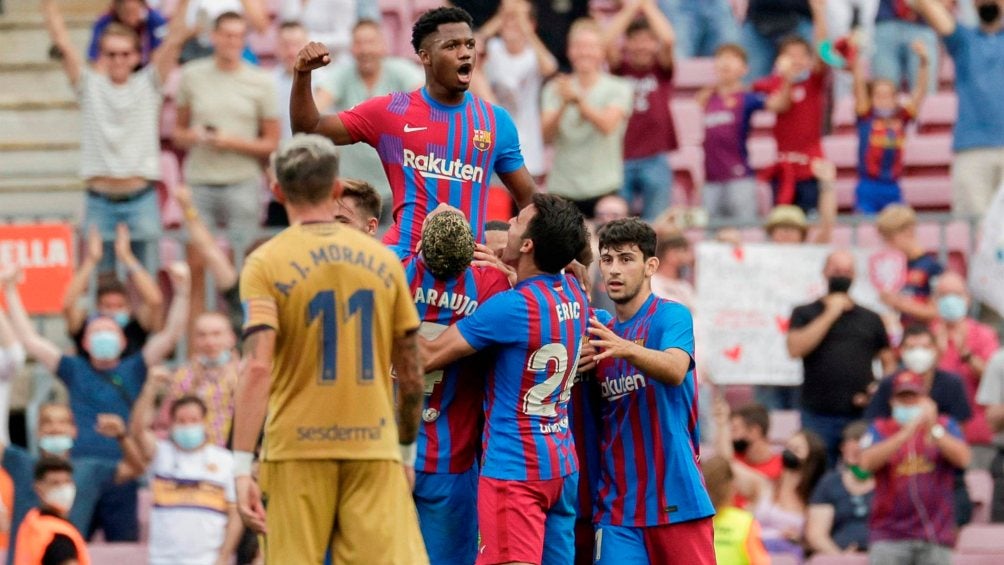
(444, 107)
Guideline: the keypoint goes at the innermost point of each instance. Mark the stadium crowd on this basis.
(891, 427)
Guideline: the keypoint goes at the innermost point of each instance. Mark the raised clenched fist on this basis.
(314, 56)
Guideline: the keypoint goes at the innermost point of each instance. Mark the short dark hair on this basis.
(108, 283)
(671, 242)
(228, 16)
(306, 166)
(366, 22)
(429, 22)
(854, 431)
(640, 24)
(627, 232)
(754, 415)
(558, 232)
(49, 464)
(793, 40)
(914, 330)
(291, 24)
(186, 400)
(447, 244)
(497, 225)
(732, 49)
(366, 197)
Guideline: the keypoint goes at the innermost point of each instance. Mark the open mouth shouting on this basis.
(464, 73)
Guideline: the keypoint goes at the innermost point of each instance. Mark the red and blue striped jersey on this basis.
(651, 437)
(451, 416)
(880, 145)
(535, 330)
(584, 419)
(433, 154)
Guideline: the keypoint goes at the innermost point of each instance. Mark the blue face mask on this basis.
(884, 113)
(905, 414)
(952, 307)
(121, 318)
(802, 76)
(57, 445)
(105, 345)
(209, 362)
(189, 437)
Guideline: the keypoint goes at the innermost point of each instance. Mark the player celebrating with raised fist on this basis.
(438, 144)
(652, 505)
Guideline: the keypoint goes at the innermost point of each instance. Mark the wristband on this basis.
(409, 453)
(191, 213)
(242, 463)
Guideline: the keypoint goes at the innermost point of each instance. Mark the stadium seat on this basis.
(977, 559)
(688, 173)
(395, 18)
(946, 73)
(783, 425)
(118, 552)
(842, 149)
(939, 112)
(144, 505)
(843, 115)
(689, 121)
(981, 539)
(738, 396)
(762, 152)
(867, 236)
(928, 153)
(980, 485)
(762, 123)
(845, 193)
(692, 75)
(842, 559)
(928, 192)
(784, 559)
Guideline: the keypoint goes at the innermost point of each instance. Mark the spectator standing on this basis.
(841, 503)
(737, 532)
(584, 116)
(557, 18)
(914, 454)
(729, 190)
(966, 345)
(978, 166)
(991, 397)
(228, 124)
(194, 517)
(898, 226)
(645, 59)
(771, 23)
(517, 63)
(701, 26)
(331, 22)
(799, 129)
(120, 125)
(292, 38)
(11, 363)
(46, 536)
(675, 256)
(369, 73)
(149, 24)
(837, 341)
(881, 123)
(895, 57)
(112, 297)
(103, 382)
(201, 16)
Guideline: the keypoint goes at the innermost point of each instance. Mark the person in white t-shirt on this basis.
(11, 363)
(194, 518)
(517, 62)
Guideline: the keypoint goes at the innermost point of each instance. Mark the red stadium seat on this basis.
(688, 117)
(928, 153)
(927, 192)
(867, 236)
(980, 485)
(981, 539)
(738, 396)
(395, 17)
(842, 149)
(762, 123)
(688, 173)
(843, 115)
(783, 425)
(939, 112)
(762, 152)
(692, 75)
(946, 73)
(845, 193)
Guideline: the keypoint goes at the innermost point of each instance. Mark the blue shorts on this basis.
(871, 195)
(447, 507)
(683, 543)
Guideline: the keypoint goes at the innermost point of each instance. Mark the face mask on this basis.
(905, 414)
(952, 307)
(859, 473)
(919, 359)
(121, 318)
(209, 362)
(884, 113)
(189, 437)
(802, 77)
(55, 445)
(61, 498)
(740, 445)
(105, 345)
(790, 461)
(989, 13)
(839, 284)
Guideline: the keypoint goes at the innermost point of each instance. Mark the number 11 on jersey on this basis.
(325, 307)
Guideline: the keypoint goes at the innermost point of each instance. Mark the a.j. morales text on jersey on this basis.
(335, 254)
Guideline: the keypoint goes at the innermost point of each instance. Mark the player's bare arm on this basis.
(303, 113)
(669, 366)
(521, 185)
(251, 403)
(445, 349)
(407, 362)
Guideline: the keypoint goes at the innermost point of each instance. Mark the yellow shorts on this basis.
(362, 510)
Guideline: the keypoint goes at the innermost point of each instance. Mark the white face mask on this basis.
(919, 359)
(61, 498)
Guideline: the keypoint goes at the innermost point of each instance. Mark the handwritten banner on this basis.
(986, 266)
(44, 253)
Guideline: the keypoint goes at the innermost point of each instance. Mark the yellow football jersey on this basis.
(337, 298)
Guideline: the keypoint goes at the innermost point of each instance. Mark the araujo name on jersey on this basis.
(430, 166)
(612, 389)
(459, 303)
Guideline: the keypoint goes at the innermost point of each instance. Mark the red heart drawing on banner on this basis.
(782, 324)
(734, 353)
(738, 252)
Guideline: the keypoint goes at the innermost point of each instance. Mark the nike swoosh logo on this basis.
(408, 128)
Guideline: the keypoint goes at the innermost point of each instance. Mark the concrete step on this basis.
(67, 7)
(35, 160)
(56, 124)
(24, 203)
(27, 41)
(40, 82)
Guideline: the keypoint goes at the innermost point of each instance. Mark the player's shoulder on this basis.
(663, 307)
(276, 245)
(486, 275)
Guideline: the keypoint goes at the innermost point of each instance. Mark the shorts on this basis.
(236, 207)
(685, 543)
(362, 510)
(447, 507)
(527, 521)
(871, 195)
